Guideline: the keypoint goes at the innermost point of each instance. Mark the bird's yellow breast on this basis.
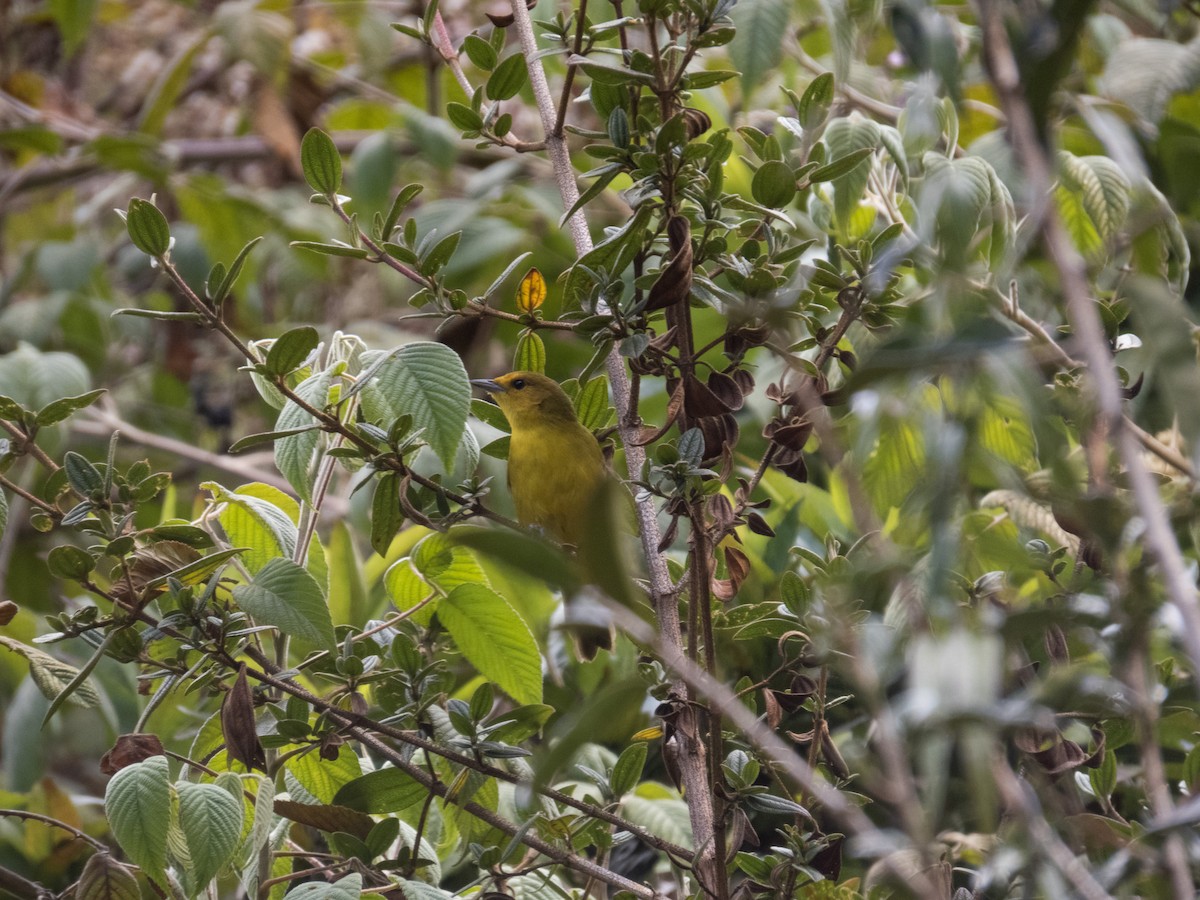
(554, 471)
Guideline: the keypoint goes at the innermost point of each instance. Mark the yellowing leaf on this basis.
(531, 293)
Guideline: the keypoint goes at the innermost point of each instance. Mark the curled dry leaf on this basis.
(674, 284)
(238, 725)
(8, 611)
(130, 749)
(727, 390)
(695, 122)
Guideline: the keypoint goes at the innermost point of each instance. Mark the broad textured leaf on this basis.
(1078, 223)
(137, 802)
(757, 46)
(843, 137)
(427, 381)
(530, 355)
(1103, 189)
(382, 791)
(253, 522)
(664, 816)
(51, 675)
(327, 817)
(294, 454)
(407, 589)
(347, 888)
(895, 466)
(323, 778)
(35, 379)
(1143, 73)
(494, 639)
(211, 821)
(287, 596)
(104, 878)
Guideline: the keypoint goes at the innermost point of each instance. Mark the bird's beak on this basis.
(487, 384)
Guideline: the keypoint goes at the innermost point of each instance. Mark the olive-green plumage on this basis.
(555, 465)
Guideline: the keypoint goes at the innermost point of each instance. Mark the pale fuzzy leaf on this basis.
(287, 596)
(427, 381)
(294, 454)
(211, 822)
(137, 802)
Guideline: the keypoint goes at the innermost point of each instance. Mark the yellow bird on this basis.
(555, 465)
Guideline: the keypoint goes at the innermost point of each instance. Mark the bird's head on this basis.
(528, 398)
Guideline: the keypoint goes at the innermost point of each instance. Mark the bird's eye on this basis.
(519, 383)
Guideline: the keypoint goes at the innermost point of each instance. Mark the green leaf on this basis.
(170, 84)
(757, 47)
(962, 191)
(407, 589)
(220, 291)
(348, 888)
(344, 250)
(251, 520)
(294, 456)
(508, 79)
(211, 821)
(627, 770)
(1104, 777)
(321, 162)
(386, 514)
(137, 803)
(774, 184)
(463, 117)
(148, 228)
(816, 101)
(268, 437)
(432, 261)
(291, 349)
(494, 639)
(480, 52)
(843, 137)
(69, 562)
(406, 196)
(610, 75)
(349, 602)
(84, 478)
(1103, 188)
(840, 167)
(59, 410)
(73, 18)
(706, 78)
(612, 255)
(160, 315)
(382, 791)
(591, 404)
(323, 778)
(287, 596)
(425, 380)
(530, 355)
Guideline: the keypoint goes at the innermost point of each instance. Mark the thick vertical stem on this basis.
(692, 759)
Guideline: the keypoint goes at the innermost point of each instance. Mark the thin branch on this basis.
(102, 421)
(50, 820)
